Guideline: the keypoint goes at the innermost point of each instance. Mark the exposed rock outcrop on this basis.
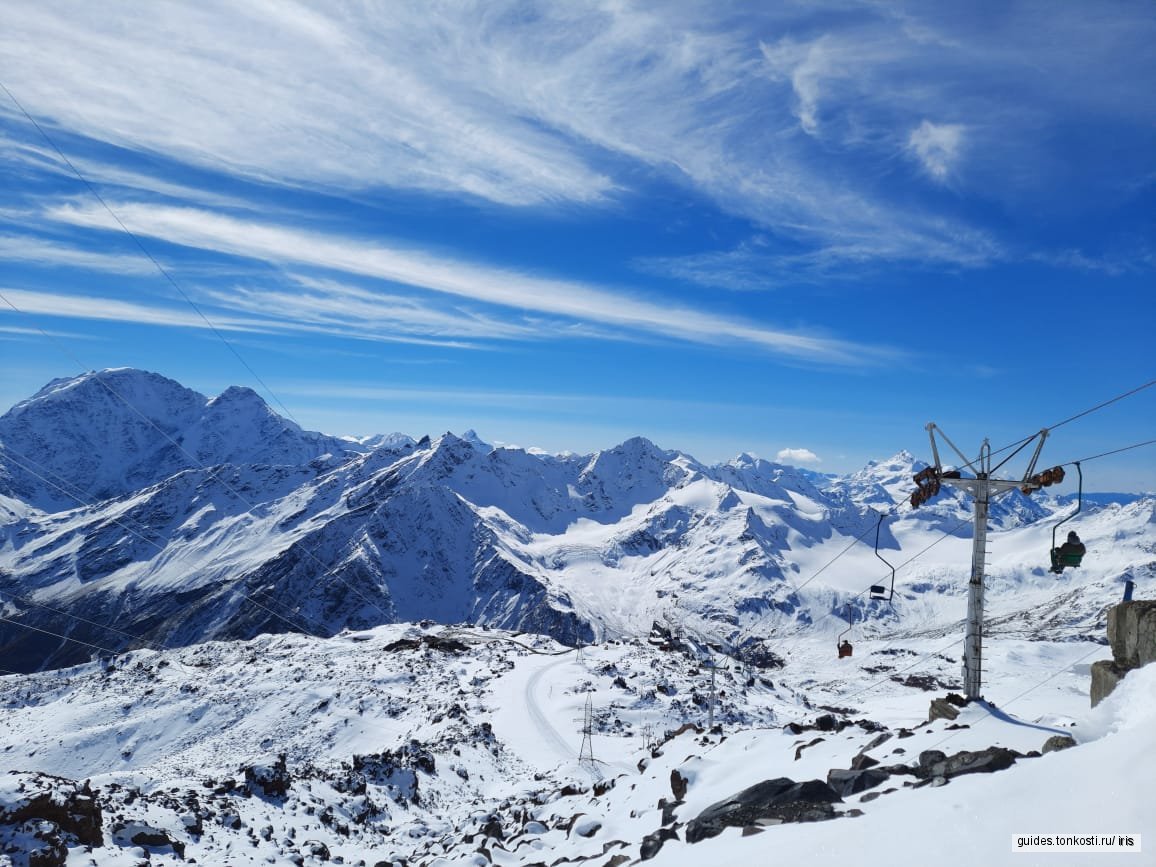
(45, 815)
(1132, 635)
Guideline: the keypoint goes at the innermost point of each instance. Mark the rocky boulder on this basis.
(1106, 676)
(853, 782)
(270, 780)
(1132, 633)
(70, 806)
(770, 802)
(933, 763)
(42, 817)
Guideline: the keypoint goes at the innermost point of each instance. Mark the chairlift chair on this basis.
(880, 591)
(844, 646)
(1060, 561)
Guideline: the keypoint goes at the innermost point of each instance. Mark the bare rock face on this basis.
(1056, 743)
(271, 780)
(933, 763)
(1132, 632)
(852, 782)
(1106, 676)
(941, 708)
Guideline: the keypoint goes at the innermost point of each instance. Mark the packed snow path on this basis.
(520, 720)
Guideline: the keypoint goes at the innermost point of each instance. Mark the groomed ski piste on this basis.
(430, 744)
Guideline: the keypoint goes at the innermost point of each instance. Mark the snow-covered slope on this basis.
(426, 745)
(268, 535)
(267, 715)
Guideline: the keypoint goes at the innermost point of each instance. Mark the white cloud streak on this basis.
(937, 147)
(478, 283)
(50, 254)
(797, 456)
(116, 310)
(525, 103)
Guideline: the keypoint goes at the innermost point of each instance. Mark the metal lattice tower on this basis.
(586, 751)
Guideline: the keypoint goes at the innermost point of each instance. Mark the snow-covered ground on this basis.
(425, 743)
(409, 742)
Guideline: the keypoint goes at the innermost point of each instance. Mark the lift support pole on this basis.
(982, 488)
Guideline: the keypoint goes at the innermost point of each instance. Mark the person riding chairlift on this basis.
(1068, 554)
(844, 648)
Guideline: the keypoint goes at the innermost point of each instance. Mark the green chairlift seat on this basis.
(1060, 561)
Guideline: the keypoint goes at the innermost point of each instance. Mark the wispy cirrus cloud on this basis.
(503, 288)
(54, 254)
(75, 306)
(797, 118)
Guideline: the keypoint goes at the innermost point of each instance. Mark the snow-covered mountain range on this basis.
(362, 651)
(139, 513)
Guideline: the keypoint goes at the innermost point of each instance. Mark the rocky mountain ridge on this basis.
(275, 529)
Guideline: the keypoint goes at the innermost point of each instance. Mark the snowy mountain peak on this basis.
(471, 436)
(239, 394)
(106, 433)
(147, 394)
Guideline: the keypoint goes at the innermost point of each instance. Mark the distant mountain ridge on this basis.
(253, 525)
(110, 432)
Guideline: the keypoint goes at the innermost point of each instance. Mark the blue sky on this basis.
(802, 231)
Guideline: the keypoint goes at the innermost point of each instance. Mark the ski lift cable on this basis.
(101, 648)
(1089, 411)
(1105, 454)
(212, 474)
(1067, 667)
(159, 547)
(136, 239)
(57, 481)
(924, 658)
(1100, 406)
(948, 533)
(1054, 674)
(64, 637)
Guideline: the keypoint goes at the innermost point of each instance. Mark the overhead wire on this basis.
(1078, 415)
(954, 640)
(1020, 444)
(1067, 667)
(107, 650)
(164, 272)
(327, 571)
(1105, 454)
(140, 244)
(946, 534)
(295, 627)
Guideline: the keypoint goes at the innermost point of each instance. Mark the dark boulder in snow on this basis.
(69, 806)
(652, 843)
(853, 782)
(1056, 743)
(933, 763)
(770, 802)
(270, 780)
